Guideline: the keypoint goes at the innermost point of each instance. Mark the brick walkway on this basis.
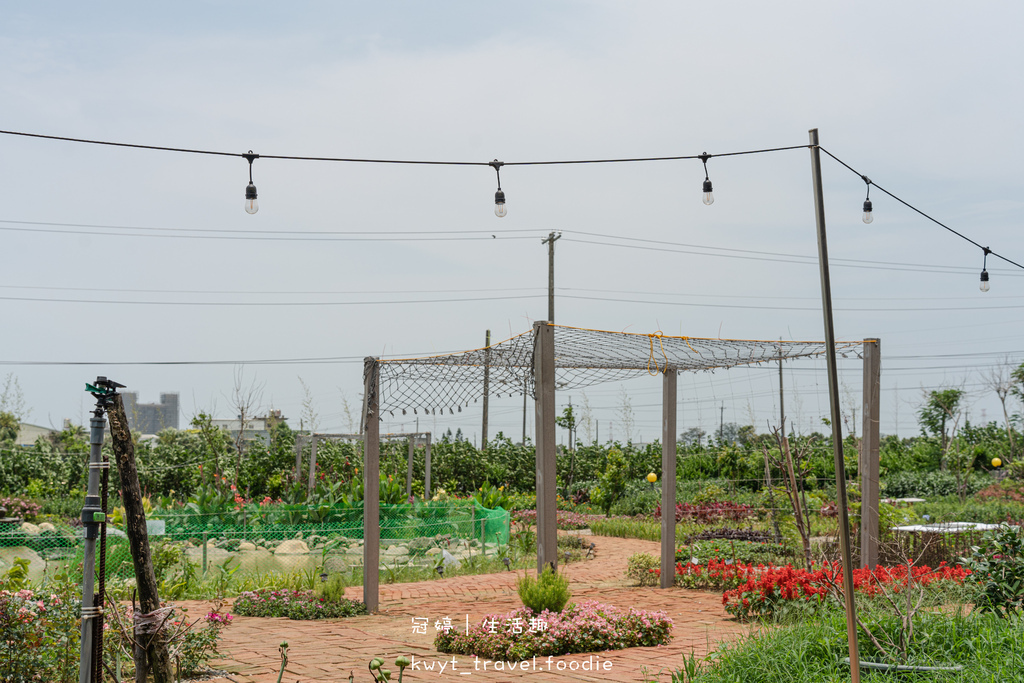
(328, 650)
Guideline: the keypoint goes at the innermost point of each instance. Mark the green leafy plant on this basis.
(491, 497)
(641, 569)
(548, 592)
(998, 565)
(612, 482)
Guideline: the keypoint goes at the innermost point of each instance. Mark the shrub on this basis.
(998, 565)
(295, 604)
(550, 592)
(751, 552)
(643, 569)
(711, 512)
(20, 507)
(929, 484)
(589, 627)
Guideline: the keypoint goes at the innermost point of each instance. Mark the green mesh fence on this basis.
(285, 539)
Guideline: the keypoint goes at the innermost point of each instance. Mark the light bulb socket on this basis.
(984, 276)
(707, 186)
(499, 197)
(250, 191)
(867, 206)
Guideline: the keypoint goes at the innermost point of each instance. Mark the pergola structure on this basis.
(552, 355)
(412, 437)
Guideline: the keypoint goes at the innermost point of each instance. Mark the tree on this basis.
(12, 399)
(694, 436)
(246, 400)
(941, 410)
(626, 415)
(1001, 380)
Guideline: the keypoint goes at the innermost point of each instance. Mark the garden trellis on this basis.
(557, 356)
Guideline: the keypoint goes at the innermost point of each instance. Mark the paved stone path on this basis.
(328, 650)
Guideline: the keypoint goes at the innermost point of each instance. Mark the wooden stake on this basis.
(158, 659)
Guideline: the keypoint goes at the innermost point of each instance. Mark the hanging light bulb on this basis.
(709, 197)
(251, 205)
(868, 216)
(499, 197)
(984, 269)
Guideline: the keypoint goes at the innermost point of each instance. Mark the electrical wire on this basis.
(919, 211)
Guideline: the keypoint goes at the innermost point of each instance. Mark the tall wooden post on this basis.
(426, 458)
(312, 466)
(668, 478)
(836, 414)
(298, 457)
(544, 385)
(869, 453)
(157, 659)
(487, 389)
(371, 483)
(408, 473)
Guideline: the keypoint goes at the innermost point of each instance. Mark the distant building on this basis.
(27, 434)
(254, 426)
(150, 418)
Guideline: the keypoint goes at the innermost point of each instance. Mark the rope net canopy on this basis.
(583, 358)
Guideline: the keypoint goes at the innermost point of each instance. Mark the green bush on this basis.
(640, 569)
(549, 592)
(930, 484)
(999, 566)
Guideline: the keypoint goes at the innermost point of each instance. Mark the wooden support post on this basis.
(668, 478)
(547, 505)
(312, 466)
(426, 458)
(487, 390)
(158, 660)
(408, 474)
(869, 454)
(371, 484)
(298, 458)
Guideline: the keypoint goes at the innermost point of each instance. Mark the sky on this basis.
(129, 258)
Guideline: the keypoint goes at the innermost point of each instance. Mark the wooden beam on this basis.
(371, 484)
(547, 505)
(668, 478)
(869, 453)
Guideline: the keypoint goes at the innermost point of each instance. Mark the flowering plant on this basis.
(767, 590)
(586, 627)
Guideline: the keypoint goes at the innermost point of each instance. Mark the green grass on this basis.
(990, 649)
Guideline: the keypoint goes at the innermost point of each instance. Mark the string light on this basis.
(709, 197)
(499, 197)
(984, 271)
(251, 205)
(868, 216)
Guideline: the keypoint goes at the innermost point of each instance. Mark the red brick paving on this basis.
(328, 650)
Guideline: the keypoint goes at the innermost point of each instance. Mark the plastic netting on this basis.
(282, 541)
(583, 358)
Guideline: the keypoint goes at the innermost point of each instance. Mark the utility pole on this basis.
(525, 396)
(487, 386)
(550, 241)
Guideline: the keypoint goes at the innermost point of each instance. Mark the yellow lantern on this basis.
(652, 477)
(996, 462)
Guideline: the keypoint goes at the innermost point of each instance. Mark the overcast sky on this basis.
(920, 96)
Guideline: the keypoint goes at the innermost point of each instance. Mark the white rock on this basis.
(30, 529)
(46, 526)
(433, 551)
(247, 546)
(292, 547)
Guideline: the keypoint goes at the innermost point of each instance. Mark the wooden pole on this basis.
(426, 457)
(668, 478)
(298, 458)
(371, 484)
(487, 389)
(869, 454)
(408, 473)
(547, 505)
(312, 466)
(833, 391)
(158, 659)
